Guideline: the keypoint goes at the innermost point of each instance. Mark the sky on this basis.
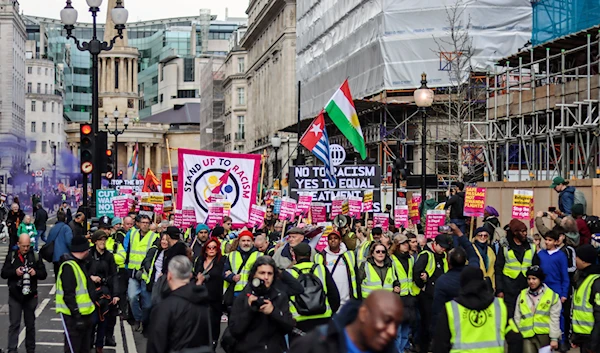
(139, 10)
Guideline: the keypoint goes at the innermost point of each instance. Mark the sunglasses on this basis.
(211, 248)
(483, 235)
(379, 252)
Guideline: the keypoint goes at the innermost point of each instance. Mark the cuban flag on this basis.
(316, 140)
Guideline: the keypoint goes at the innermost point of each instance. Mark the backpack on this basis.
(313, 300)
(593, 223)
(580, 199)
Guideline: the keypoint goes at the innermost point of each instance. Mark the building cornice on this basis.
(266, 16)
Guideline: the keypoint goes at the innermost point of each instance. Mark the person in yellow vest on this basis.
(486, 254)
(378, 272)
(537, 314)
(348, 236)
(114, 244)
(364, 249)
(431, 264)
(515, 255)
(140, 241)
(318, 283)
(586, 301)
(475, 321)
(75, 297)
(238, 265)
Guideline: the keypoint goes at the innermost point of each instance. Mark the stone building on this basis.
(235, 90)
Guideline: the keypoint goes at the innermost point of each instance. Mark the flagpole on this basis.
(262, 177)
(288, 159)
(171, 174)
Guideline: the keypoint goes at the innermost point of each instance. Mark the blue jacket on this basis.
(556, 269)
(62, 235)
(566, 198)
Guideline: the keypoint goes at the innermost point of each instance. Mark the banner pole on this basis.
(262, 177)
(171, 175)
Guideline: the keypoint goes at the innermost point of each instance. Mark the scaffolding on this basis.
(542, 113)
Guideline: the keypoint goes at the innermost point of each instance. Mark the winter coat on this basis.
(62, 235)
(332, 337)
(256, 332)
(512, 287)
(213, 281)
(180, 321)
(566, 198)
(104, 266)
(446, 289)
(41, 218)
(456, 204)
(13, 261)
(78, 229)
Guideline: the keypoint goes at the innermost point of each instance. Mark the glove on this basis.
(80, 322)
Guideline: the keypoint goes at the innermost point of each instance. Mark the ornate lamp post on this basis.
(116, 132)
(276, 143)
(424, 99)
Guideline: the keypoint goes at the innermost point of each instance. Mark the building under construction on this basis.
(542, 103)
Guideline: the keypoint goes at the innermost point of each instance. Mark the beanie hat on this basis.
(587, 253)
(536, 271)
(481, 230)
(202, 226)
(80, 244)
(516, 225)
(218, 232)
(246, 233)
(577, 210)
(115, 221)
(470, 274)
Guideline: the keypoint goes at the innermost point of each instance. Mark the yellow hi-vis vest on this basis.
(82, 296)
(236, 260)
(139, 247)
(363, 251)
(430, 268)
(512, 266)
(407, 286)
(476, 331)
(583, 311)
(373, 282)
(350, 259)
(146, 277)
(321, 273)
(538, 322)
(117, 250)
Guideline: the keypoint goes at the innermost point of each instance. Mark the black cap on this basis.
(218, 231)
(104, 222)
(99, 234)
(587, 253)
(536, 271)
(445, 241)
(302, 249)
(173, 232)
(80, 244)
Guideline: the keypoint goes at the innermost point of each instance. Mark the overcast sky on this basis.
(139, 10)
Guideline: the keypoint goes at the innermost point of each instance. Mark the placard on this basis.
(474, 202)
(135, 185)
(336, 207)
(215, 214)
(121, 205)
(367, 201)
(318, 211)
(188, 217)
(327, 228)
(381, 220)
(433, 220)
(413, 208)
(304, 200)
(401, 217)
(288, 209)
(104, 204)
(257, 216)
(147, 209)
(277, 205)
(178, 219)
(354, 206)
(522, 206)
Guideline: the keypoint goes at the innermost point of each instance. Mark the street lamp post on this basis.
(116, 132)
(28, 162)
(276, 143)
(54, 146)
(424, 99)
(95, 46)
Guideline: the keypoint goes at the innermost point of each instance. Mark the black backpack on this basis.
(593, 223)
(313, 300)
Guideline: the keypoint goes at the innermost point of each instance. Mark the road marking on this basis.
(131, 348)
(119, 337)
(38, 311)
(55, 319)
(39, 285)
(56, 344)
(52, 290)
(51, 331)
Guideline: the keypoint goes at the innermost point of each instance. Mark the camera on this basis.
(259, 289)
(545, 214)
(445, 229)
(26, 281)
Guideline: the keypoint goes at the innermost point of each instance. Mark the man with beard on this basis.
(239, 263)
(200, 239)
(515, 256)
(283, 255)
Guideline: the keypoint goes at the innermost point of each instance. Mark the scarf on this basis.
(482, 248)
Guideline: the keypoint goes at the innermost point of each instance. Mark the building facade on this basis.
(235, 94)
(12, 87)
(212, 128)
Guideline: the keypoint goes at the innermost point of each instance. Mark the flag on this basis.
(133, 162)
(341, 110)
(316, 140)
(150, 182)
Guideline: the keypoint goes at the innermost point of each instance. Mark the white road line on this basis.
(55, 319)
(39, 285)
(51, 331)
(118, 337)
(52, 290)
(131, 348)
(38, 311)
(56, 344)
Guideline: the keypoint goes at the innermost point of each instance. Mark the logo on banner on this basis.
(338, 154)
(221, 182)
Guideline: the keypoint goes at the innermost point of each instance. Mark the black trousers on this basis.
(15, 309)
(425, 308)
(80, 338)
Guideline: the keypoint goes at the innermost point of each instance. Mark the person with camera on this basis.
(260, 317)
(22, 268)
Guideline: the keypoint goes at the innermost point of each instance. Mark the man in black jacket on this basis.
(20, 298)
(368, 326)
(456, 204)
(78, 225)
(181, 320)
(41, 218)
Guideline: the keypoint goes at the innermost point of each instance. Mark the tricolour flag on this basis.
(316, 140)
(133, 162)
(341, 110)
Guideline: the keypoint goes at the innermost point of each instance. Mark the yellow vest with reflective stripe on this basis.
(321, 273)
(373, 282)
(512, 266)
(407, 286)
(139, 248)
(224, 243)
(476, 331)
(82, 296)
(430, 268)
(537, 323)
(147, 276)
(235, 260)
(363, 251)
(583, 311)
(350, 258)
(119, 254)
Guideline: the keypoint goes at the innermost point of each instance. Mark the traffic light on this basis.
(88, 145)
(109, 164)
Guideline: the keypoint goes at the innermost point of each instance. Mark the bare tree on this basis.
(463, 100)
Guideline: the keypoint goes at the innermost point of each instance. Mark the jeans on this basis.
(139, 300)
(461, 224)
(15, 309)
(40, 235)
(402, 337)
(98, 327)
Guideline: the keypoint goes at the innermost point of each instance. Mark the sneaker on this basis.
(224, 318)
(110, 341)
(137, 326)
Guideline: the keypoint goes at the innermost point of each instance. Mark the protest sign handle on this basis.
(366, 218)
(171, 174)
(283, 229)
(471, 228)
(262, 177)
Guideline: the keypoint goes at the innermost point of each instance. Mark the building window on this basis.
(161, 98)
(46, 88)
(58, 126)
(29, 69)
(241, 96)
(46, 73)
(116, 74)
(241, 129)
(241, 65)
(52, 128)
(32, 146)
(44, 127)
(33, 126)
(188, 69)
(39, 70)
(39, 88)
(29, 87)
(162, 71)
(44, 147)
(44, 107)
(154, 80)
(52, 107)
(32, 106)
(186, 93)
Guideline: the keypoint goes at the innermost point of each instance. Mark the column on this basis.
(105, 74)
(100, 73)
(147, 155)
(135, 76)
(130, 147)
(159, 151)
(109, 75)
(122, 75)
(130, 75)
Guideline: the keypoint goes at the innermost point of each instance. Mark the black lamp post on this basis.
(95, 46)
(54, 146)
(276, 143)
(424, 99)
(116, 132)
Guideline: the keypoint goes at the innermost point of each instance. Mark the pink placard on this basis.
(474, 202)
(304, 201)
(367, 205)
(381, 220)
(318, 212)
(215, 214)
(178, 219)
(355, 206)
(288, 209)
(401, 216)
(336, 207)
(433, 220)
(257, 216)
(413, 208)
(121, 206)
(322, 243)
(158, 208)
(188, 217)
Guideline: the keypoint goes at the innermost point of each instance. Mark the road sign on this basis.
(109, 175)
(39, 173)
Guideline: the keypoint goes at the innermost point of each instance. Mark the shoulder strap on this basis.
(336, 263)
(243, 263)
